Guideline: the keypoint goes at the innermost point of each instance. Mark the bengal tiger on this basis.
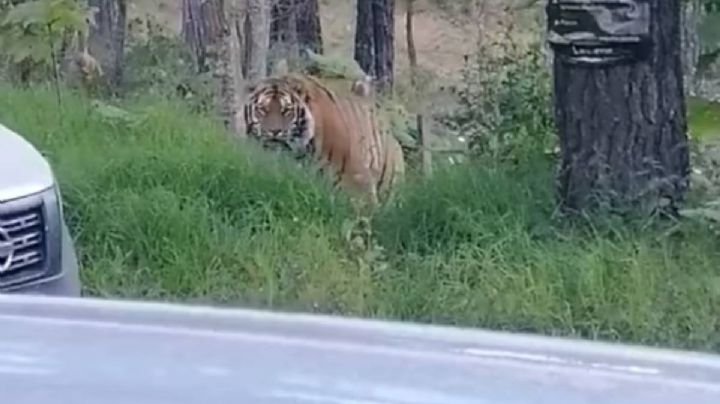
(343, 133)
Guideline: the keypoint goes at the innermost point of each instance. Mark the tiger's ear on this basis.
(250, 87)
(301, 90)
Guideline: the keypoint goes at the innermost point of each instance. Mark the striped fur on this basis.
(342, 133)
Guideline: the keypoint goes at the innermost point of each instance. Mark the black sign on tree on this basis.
(618, 99)
(599, 32)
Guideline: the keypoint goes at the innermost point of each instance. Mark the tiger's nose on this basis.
(275, 132)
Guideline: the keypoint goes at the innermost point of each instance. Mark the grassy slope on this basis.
(171, 209)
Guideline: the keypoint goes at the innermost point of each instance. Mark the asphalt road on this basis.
(56, 351)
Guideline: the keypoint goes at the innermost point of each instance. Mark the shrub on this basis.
(505, 109)
(162, 66)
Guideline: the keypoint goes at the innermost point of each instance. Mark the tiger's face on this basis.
(279, 118)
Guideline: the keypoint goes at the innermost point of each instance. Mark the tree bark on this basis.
(622, 128)
(365, 37)
(691, 15)
(384, 18)
(309, 31)
(229, 38)
(107, 38)
(412, 58)
(209, 29)
(200, 29)
(295, 26)
(283, 26)
(224, 52)
(279, 13)
(256, 27)
(375, 41)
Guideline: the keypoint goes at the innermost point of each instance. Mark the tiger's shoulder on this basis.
(370, 139)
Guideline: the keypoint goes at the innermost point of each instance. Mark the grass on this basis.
(170, 208)
(704, 117)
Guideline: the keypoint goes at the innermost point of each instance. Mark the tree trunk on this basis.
(384, 18)
(279, 14)
(283, 28)
(691, 15)
(375, 40)
(256, 26)
(412, 58)
(107, 38)
(622, 128)
(229, 38)
(309, 31)
(295, 25)
(200, 28)
(365, 37)
(209, 29)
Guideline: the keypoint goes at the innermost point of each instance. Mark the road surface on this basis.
(84, 351)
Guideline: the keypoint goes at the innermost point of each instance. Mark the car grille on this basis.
(25, 230)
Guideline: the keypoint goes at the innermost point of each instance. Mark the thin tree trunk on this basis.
(119, 43)
(384, 32)
(210, 29)
(412, 58)
(691, 15)
(195, 31)
(309, 31)
(285, 32)
(282, 11)
(226, 63)
(283, 26)
(107, 38)
(622, 128)
(365, 38)
(257, 29)
(375, 41)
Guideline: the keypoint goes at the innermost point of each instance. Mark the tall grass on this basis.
(171, 208)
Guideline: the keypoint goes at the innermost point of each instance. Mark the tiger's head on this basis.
(278, 115)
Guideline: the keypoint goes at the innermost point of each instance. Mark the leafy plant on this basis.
(505, 107)
(30, 32)
(709, 32)
(161, 65)
(706, 184)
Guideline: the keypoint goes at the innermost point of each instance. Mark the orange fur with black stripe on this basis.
(343, 132)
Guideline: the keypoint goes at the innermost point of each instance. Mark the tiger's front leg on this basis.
(364, 196)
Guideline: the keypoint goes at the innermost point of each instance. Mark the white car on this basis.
(37, 253)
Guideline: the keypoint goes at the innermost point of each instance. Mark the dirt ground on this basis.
(442, 39)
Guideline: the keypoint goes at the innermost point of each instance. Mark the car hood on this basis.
(23, 170)
(88, 351)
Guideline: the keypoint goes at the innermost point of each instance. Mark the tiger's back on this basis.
(347, 136)
(351, 136)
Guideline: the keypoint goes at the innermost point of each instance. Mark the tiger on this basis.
(344, 134)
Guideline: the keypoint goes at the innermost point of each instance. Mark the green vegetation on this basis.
(166, 206)
(704, 117)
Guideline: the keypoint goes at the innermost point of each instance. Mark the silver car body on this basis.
(86, 351)
(37, 254)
